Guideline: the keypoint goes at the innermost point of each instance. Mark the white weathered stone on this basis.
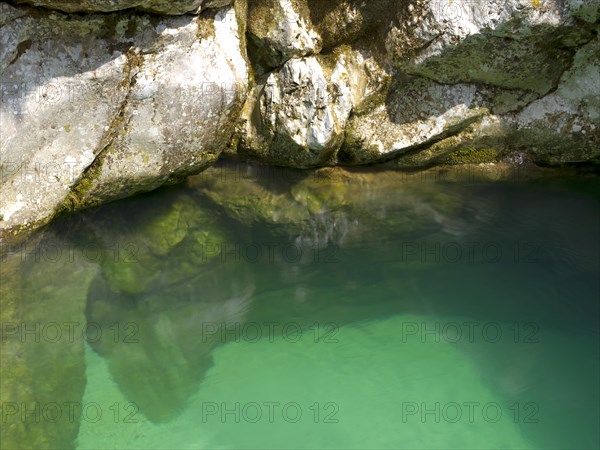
(296, 104)
(88, 116)
(415, 114)
(155, 6)
(501, 44)
(570, 114)
(304, 107)
(575, 103)
(440, 23)
(282, 29)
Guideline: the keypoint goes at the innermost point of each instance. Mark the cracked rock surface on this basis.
(99, 107)
(99, 103)
(495, 77)
(153, 6)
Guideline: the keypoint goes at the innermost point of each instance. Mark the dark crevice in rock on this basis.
(77, 197)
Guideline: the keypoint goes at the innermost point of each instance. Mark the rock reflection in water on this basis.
(162, 352)
(334, 206)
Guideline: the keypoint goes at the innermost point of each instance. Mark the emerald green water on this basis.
(478, 327)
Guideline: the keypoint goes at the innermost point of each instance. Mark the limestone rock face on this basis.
(154, 6)
(302, 110)
(572, 111)
(99, 107)
(280, 30)
(352, 21)
(502, 71)
(513, 44)
(417, 112)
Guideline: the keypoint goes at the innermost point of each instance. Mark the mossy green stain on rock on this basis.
(206, 28)
(319, 197)
(471, 155)
(77, 197)
(532, 61)
(161, 243)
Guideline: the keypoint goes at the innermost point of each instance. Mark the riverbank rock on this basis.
(100, 107)
(301, 111)
(97, 107)
(504, 71)
(153, 6)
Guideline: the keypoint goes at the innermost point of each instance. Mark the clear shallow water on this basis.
(477, 328)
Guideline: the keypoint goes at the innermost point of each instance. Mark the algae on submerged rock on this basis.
(164, 244)
(329, 206)
(43, 338)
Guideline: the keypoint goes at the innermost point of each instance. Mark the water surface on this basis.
(262, 313)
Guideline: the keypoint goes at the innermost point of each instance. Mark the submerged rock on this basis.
(330, 206)
(163, 363)
(43, 338)
(166, 244)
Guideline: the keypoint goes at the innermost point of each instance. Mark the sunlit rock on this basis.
(303, 108)
(417, 112)
(565, 125)
(99, 107)
(154, 6)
